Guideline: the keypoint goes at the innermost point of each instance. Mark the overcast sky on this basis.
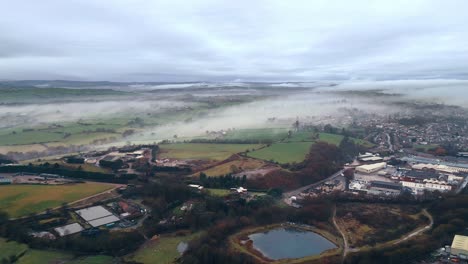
(186, 40)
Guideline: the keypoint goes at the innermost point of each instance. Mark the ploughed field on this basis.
(21, 200)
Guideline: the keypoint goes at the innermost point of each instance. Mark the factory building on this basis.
(370, 168)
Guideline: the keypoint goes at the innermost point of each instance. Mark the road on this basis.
(345, 241)
(389, 142)
(462, 186)
(417, 231)
(296, 192)
(347, 249)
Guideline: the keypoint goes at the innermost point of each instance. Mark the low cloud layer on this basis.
(211, 40)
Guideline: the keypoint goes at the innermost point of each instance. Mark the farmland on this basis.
(234, 166)
(283, 152)
(295, 148)
(161, 249)
(21, 200)
(202, 151)
(25, 255)
(260, 134)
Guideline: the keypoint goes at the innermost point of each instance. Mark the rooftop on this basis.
(386, 185)
(92, 213)
(69, 229)
(460, 242)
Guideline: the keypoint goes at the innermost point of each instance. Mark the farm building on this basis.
(370, 168)
(460, 246)
(97, 216)
(68, 229)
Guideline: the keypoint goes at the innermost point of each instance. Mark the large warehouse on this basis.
(97, 216)
(370, 168)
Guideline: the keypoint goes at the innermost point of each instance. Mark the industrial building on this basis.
(68, 229)
(459, 246)
(97, 216)
(370, 168)
(389, 188)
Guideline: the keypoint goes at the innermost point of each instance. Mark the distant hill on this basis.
(29, 94)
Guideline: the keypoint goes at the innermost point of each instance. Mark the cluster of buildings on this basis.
(374, 176)
(89, 220)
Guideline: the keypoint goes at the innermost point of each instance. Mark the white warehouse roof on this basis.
(94, 212)
(69, 229)
(104, 220)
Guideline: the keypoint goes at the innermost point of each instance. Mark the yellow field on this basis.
(234, 166)
(21, 200)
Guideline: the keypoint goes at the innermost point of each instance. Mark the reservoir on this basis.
(289, 242)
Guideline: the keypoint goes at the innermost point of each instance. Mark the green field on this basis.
(21, 200)
(202, 151)
(296, 148)
(163, 250)
(283, 152)
(425, 148)
(11, 248)
(218, 192)
(274, 134)
(100, 259)
(30, 256)
(234, 166)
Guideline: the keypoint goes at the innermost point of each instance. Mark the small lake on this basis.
(289, 242)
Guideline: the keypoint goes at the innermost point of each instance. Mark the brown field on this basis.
(21, 200)
(234, 166)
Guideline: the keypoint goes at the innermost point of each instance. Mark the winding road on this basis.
(347, 249)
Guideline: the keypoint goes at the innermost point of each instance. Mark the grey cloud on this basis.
(137, 40)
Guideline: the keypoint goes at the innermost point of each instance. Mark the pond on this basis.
(289, 242)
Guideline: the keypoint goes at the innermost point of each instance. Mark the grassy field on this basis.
(11, 248)
(31, 256)
(21, 200)
(84, 167)
(425, 148)
(218, 192)
(274, 134)
(202, 151)
(162, 250)
(34, 256)
(283, 152)
(296, 148)
(100, 259)
(234, 166)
